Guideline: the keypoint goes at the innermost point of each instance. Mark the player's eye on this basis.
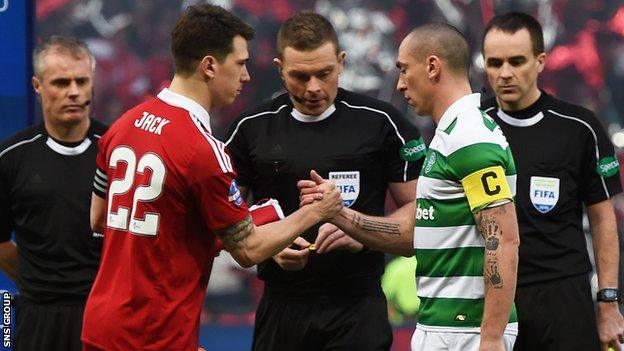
(494, 63)
(300, 77)
(324, 74)
(517, 61)
(82, 81)
(61, 83)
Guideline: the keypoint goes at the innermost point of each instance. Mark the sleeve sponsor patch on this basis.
(486, 186)
(413, 150)
(234, 194)
(607, 166)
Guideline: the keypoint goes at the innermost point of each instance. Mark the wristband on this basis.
(266, 211)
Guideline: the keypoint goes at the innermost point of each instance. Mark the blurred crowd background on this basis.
(130, 39)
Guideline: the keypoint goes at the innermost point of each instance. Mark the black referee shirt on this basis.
(564, 159)
(359, 145)
(45, 196)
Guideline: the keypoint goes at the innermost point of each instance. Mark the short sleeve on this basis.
(215, 190)
(487, 173)
(404, 148)
(237, 146)
(100, 180)
(600, 171)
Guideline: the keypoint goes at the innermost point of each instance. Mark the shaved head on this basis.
(442, 40)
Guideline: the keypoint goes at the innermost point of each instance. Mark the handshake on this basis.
(320, 199)
(321, 194)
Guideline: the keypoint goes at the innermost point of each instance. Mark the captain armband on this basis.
(485, 187)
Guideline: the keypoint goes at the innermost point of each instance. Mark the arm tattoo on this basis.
(234, 237)
(492, 275)
(488, 226)
(375, 226)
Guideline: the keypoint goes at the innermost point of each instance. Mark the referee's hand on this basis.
(310, 190)
(294, 258)
(331, 238)
(610, 325)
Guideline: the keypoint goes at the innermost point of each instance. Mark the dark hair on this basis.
(70, 45)
(205, 30)
(514, 21)
(444, 40)
(306, 31)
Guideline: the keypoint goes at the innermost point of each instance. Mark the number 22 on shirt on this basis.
(121, 217)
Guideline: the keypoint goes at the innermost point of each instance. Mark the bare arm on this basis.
(290, 259)
(250, 245)
(499, 228)
(8, 259)
(332, 238)
(604, 234)
(393, 234)
(403, 193)
(98, 214)
(603, 229)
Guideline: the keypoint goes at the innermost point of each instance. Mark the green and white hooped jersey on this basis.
(469, 166)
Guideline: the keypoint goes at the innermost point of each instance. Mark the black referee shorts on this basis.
(316, 324)
(47, 327)
(557, 316)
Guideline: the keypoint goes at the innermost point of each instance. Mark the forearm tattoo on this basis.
(493, 275)
(375, 226)
(234, 237)
(488, 226)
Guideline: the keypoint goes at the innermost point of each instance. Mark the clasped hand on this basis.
(329, 237)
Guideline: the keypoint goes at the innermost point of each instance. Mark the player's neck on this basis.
(68, 132)
(192, 89)
(448, 93)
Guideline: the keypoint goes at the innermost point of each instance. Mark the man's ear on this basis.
(208, 66)
(36, 83)
(541, 62)
(342, 56)
(434, 67)
(278, 63)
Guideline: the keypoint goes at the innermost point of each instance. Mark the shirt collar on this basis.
(310, 119)
(179, 100)
(463, 103)
(67, 150)
(530, 112)
(519, 122)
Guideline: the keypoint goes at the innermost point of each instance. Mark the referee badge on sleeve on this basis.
(544, 193)
(349, 185)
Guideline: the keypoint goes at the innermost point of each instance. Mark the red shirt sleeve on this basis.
(100, 180)
(214, 189)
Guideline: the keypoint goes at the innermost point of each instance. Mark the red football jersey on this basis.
(169, 184)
